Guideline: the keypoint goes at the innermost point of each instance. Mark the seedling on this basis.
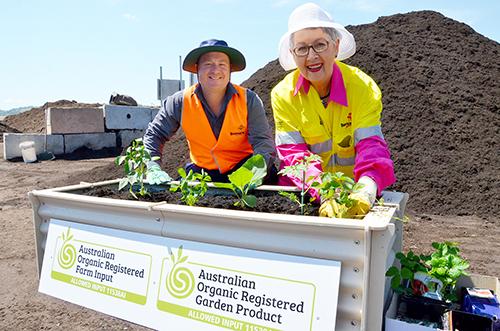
(299, 170)
(447, 266)
(339, 187)
(134, 164)
(245, 179)
(191, 192)
(410, 264)
(305, 208)
(444, 264)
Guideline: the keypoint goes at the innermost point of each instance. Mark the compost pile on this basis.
(33, 121)
(441, 118)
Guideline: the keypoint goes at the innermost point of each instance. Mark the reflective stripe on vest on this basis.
(362, 133)
(341, 161)
(284, 138)
(232, 146)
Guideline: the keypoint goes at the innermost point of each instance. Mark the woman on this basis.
(329, 108)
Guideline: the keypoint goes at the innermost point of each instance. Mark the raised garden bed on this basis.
(365, 248)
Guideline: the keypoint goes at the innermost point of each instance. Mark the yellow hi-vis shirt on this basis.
(334, 131)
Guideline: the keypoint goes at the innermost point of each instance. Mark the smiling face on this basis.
(315, 67)
(214, 71)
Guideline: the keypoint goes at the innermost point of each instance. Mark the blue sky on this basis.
(86, 50)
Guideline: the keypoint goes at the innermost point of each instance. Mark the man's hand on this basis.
(155, 175)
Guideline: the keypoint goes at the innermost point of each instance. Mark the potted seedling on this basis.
(192, 185)
(426, 283)
(245, 179)
(134, 164)
(442, 268)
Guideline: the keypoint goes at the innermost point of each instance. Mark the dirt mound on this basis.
(33, 121)
(5, 128)
(441, 116)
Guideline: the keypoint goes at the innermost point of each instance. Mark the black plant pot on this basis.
(463, 321)
(422, 308)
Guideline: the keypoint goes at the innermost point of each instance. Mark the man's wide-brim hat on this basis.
(236, 59)
(310, 15)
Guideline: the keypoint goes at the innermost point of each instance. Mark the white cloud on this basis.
(281, 3)
(129, 17)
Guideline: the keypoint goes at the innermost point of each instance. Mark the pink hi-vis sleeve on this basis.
(373, 159)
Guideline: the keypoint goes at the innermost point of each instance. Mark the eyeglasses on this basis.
(319, 46)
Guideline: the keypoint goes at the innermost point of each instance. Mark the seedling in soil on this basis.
(299, 170)
(337, 186)
(134, 164)
(191, 192)
(246, 178)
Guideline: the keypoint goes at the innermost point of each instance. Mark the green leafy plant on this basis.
(410, 264)
(134, 164)
(246, 178)
(299, 170)
(444, 264)
(447, 266)
(191, 192)
(336, 185)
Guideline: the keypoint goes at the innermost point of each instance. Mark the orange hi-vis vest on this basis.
(232, 146)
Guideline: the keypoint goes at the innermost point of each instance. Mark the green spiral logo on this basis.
(180, 280)
(67, 253)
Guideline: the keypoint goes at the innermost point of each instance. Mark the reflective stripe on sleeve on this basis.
(341, 161)
(293, 137)
(325, 146)
(370, 131)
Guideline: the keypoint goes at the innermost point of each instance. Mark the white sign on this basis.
(173, 284)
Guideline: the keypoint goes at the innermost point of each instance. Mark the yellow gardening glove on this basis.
(331, 208)
(363, 199)
(361, 206)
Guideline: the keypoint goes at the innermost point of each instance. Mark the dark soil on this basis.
(441, 94)
(269, 202)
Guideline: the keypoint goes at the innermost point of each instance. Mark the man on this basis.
(329, 108)
(224, 124)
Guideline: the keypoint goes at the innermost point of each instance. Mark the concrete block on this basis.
(61, 120)
(11, 141)
(93, 141)
(127, 117)
(125, 137)
(154, 111)
(167, 87)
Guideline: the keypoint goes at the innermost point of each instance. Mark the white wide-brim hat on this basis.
(310, 15)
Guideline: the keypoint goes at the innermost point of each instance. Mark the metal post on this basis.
(180, 73)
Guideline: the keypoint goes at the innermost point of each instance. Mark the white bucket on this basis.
(28, 151)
